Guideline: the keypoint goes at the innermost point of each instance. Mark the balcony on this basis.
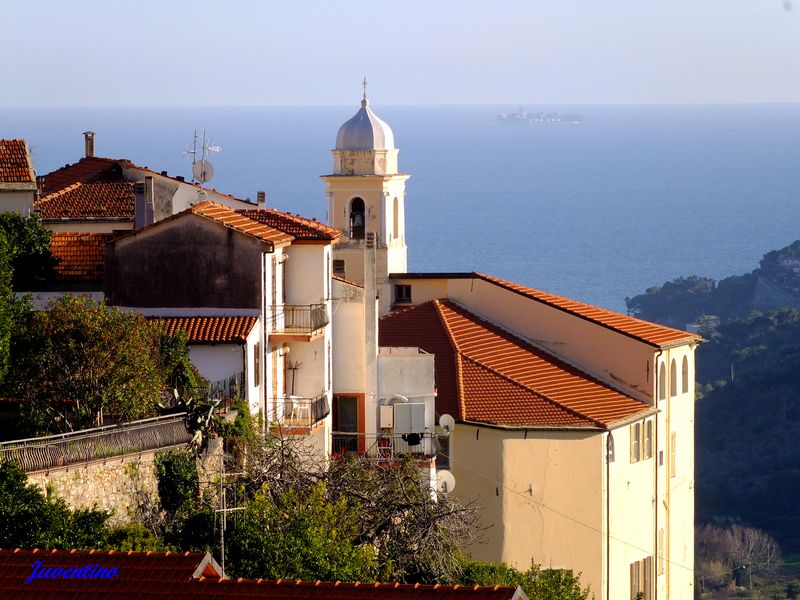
(298, 322)
(293, 411)
(386, 447)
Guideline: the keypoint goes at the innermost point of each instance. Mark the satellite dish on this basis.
(447, 423)
(203, 171)
(445, 482)
(202, 196)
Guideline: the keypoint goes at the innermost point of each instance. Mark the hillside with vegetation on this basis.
(748, 376)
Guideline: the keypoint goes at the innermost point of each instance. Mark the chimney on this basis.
(88, 139)
(138, 218)
(261, 198)
(144, 210)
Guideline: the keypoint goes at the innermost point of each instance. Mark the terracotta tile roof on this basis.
(235, 220)
(650, 333)
(81, 256)
(300, 228)
(209, 329)
(134, 569)
(15, 162)
(173, 576)
(91, 188)
(308, 590)
(486, 374)
(347, 281)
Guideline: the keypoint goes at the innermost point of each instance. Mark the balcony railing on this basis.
(38, 454)
(384, 447)
(295, 319)
(301, 412)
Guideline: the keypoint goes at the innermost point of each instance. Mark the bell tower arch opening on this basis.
(357, 222)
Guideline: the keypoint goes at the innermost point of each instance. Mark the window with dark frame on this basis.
(338, 268)
(402, 294)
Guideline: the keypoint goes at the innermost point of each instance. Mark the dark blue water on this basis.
(631, 198)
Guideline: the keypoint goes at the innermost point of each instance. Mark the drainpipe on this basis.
(608, 516)
(655, 476)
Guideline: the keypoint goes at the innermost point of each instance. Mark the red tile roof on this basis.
(488, 375)
(307, 590)
(81, 256)
(347, 281)
(235, 220)
(650, 333)
(91, 188)
(219, 329)
(15, 162)
(300, 228)
(173, 576)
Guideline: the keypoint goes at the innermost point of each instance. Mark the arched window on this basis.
(396, 217)
(685, 375)
(357, 219)
(673, 379)
(662, 382)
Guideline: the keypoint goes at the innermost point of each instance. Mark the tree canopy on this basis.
(28, 249)
(82, 360)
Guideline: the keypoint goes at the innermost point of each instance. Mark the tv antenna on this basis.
(202, 169)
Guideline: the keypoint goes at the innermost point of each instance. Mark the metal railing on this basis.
(384, 447)
(38, 454)
(299, 319)
(293, 411)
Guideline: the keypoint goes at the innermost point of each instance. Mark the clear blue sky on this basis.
(306, 52)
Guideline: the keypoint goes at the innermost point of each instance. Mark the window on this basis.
(685, 375)
(672, 442)
(396, 220)
(257, 364)
(338, 268)
(357, 222)
(641, 440)
(610, 447)
(402, 294)
(642, 579)
(648, 439)
(660, 551)
(662, 382)
(636, 442)
(673, 379)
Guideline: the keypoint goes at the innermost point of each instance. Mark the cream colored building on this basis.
(574, 425)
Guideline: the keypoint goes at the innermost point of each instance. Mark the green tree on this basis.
(300, 536)
(31, 519)
(537, 583)
(28, 249)
(6, 299)
(178, 481)
(82, 360)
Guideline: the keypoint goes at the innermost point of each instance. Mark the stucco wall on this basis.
(305, 273)
(348, 338)
(188, 262)
(19, 202)
(540, 496)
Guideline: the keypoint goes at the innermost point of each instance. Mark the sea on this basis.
(598, 211)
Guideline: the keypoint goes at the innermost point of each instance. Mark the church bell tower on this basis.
(366, 195)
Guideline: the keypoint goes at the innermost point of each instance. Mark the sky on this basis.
(315, 52)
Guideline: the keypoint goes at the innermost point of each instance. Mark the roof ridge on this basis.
(530, 390)
(437, 307)
(60, 192)
(559, 302)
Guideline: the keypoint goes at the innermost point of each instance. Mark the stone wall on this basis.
(122, 485)
(119, 485)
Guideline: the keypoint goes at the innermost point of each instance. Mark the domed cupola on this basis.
(365, 131)
(365, 145)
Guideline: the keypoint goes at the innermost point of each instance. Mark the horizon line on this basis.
(442, 105)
